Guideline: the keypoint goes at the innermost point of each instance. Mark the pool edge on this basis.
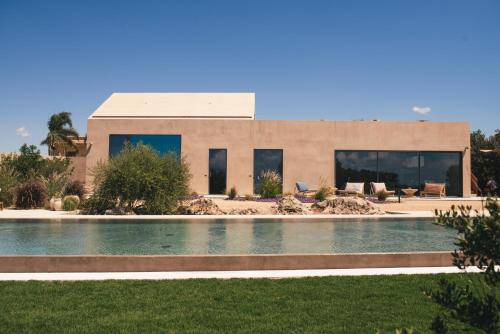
(157, 263)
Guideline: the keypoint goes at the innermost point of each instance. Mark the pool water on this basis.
(219, 236)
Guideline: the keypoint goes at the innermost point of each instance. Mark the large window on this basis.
(161, 143)
(265, 160)
(443, 167)
(356, 166)
(400, 169)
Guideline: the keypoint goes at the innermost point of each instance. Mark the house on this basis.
(226, 146)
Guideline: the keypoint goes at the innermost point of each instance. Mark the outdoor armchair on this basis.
(433, 189)
(378, 187)
(303, 188)
(353, 188)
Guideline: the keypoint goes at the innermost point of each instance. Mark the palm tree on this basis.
(61, 131)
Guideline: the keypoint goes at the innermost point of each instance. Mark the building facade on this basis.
(225, 145)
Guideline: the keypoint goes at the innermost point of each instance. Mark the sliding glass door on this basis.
(400, 169)
(443, 167)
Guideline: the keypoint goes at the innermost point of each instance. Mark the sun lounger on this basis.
(433, 189)
(303, 188)
(378, 187)
(353, 189)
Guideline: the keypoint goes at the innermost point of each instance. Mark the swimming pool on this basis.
(220, 236)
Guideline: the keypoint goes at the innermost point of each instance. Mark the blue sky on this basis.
(303, 59)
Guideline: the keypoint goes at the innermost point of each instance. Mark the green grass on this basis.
(308, 305)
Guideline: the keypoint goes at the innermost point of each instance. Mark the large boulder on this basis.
(201, 206)
(347, 205)
(289, 205)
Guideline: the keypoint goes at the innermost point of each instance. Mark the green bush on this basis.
(74, 188)
(271, 184)
(30, 194)
(96, 205)
(70, 203)
(232, 193)
(55, 183)
(141, 180)
(322, 193)
(8, 180)
(477, 303)
(29, 164)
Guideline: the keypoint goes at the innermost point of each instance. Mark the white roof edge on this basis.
(177, 105)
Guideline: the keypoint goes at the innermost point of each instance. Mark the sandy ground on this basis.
(391, 205)
(407, 207)
(428, 205)
(227, 205)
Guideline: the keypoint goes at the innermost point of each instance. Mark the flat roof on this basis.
(178, 105)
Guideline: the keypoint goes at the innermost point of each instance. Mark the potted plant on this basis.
(56, 202)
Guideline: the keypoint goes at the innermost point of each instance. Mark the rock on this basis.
(347, 205)
(245, 211)
(289, 205)
(201, 206)
(119, 211)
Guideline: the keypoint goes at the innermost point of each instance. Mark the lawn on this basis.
(306, 305)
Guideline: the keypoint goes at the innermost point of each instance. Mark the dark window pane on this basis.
(442, 167)
(398, 169)
(161, 143)
(217, 170)
(265, 160)
(355, 166)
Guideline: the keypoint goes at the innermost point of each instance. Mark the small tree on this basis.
(140, 180)
(475, 304)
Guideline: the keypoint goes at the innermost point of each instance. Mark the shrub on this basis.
(141, 180)
(249, 197)
(382, 196)
(54, 184)
(74, 188)
(96, 205)
(322, 193)
(232, 193)
(70, 203)
(30, 194)
(29, 164)
(476, 304)
(8, 180)
(271, 184)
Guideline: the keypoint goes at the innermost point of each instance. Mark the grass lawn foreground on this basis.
(305, 305)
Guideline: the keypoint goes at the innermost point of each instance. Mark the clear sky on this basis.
(304, 60)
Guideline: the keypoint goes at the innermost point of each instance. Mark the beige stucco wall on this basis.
(308, 146)
(79, 168)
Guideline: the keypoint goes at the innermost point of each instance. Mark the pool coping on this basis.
(38, 214)
(172, 263)
(241, 274)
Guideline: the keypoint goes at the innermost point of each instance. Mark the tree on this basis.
(139, 180)
(60, 133)
(485, 165)
(476, 304)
